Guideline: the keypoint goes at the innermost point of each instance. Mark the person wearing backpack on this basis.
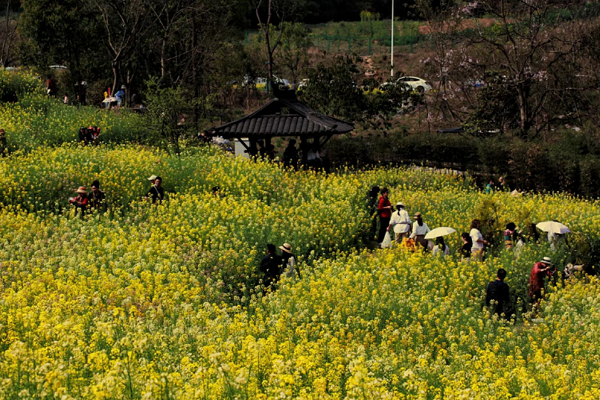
(499, 292)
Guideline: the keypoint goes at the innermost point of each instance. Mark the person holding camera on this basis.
(539, 272)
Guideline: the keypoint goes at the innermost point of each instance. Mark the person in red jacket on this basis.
(536, 281)
(81, 201)
(384, 208)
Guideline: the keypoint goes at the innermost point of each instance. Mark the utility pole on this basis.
(392, 52)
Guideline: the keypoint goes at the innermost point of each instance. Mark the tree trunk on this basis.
(523, 111)
(162, 57)
(115, 68)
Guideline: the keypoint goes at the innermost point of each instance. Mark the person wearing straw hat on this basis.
(400, 222)
(539, 271)
(156, 192)
(288, 261)
(419, 230)
(81, 201)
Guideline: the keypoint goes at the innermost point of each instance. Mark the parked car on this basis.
(412, 82)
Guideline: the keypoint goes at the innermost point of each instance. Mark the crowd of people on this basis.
(413, 234)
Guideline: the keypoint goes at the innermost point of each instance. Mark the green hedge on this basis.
(570, 162)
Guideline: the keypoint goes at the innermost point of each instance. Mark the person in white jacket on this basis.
(419, 230)
(400, 223)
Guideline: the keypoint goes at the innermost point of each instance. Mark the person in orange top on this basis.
(384, 208)
(536, 281)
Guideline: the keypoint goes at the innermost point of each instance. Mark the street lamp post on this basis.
(392, 52)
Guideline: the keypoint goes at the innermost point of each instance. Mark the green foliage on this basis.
(169, 113)
(14, 86)
(292, 54)
(497, 109)
(334, 91)
(555, 165)
(37, 120)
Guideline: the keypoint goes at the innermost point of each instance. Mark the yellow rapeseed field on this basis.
(146, 301)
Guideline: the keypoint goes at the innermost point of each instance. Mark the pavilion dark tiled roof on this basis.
(282, 117)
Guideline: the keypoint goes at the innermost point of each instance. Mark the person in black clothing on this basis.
(499, 292)
(290, 155)
(270, 265)
(156, 192)
(96, 196)
(465, 250)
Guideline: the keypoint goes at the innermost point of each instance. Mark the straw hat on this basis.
(418, 215)
(547, 260)
(153, 178)
(399, 204)
(286, 247)
(82, 190)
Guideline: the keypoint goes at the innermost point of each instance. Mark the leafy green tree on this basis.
(292, 55)
(169, 114)
(333, 90)
(59, 32)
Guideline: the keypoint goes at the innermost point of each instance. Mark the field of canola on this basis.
(160, 302)
(165, 302)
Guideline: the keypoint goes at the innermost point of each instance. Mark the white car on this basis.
(414, 83)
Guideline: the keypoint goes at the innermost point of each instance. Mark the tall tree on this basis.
(275, 12)
(534, 50)
(58, 32)
(123, 21)
(8, 33)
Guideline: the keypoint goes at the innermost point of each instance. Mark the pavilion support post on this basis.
(239, 138)
(324, 142)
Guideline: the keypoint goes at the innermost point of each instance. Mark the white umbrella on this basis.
(553, 227)
(437, 232)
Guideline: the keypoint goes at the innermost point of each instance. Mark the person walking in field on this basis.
(499, 292)
(288, 262)
(466, 249)
(478, 241)
(269, 266)
(384, 208)
(539, 272)
(510, 235)
(400, 223)
(419, 230)
(156, 192)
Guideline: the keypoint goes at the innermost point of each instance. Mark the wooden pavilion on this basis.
(283, 117)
